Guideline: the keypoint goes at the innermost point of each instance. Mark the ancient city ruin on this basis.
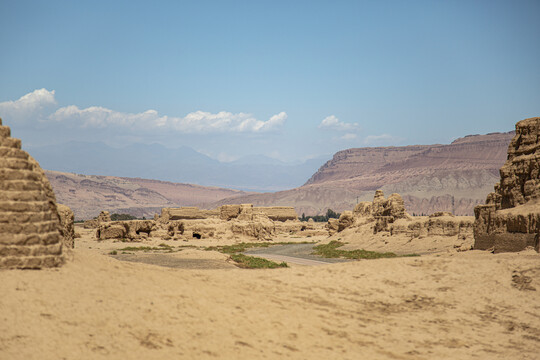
(30, 232)
(510, 219)
(239, 222)
(387, 218)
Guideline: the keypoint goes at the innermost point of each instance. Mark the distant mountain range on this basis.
(184, 164)
(453, 177)
(87, 195)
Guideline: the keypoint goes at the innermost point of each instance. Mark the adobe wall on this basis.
(29, 223)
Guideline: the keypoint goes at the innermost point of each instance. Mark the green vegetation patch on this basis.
(236, 248)
(252, 262)
(330, 214)
(241, 247)
(331, 250)
(122, 217)
(160, 247)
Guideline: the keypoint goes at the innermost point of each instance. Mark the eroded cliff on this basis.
(510, 219)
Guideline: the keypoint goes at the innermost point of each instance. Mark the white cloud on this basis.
(348, 136)
(384, 139)
(195, 122)
(201, 122)
(29, 106)
(99, 117)
(40, 105)
(333, 123)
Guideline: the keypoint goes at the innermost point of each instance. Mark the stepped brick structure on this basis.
(510, 220)
(30, 234)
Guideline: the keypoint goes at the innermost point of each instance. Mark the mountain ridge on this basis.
(453, 177)
(181, 165)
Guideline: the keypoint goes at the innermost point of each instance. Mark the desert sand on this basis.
(180, 300)
(448, 305)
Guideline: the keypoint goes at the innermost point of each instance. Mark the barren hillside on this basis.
(87, 195)
(453, 177)
(430, 178)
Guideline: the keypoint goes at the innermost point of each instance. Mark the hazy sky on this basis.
(288, 79)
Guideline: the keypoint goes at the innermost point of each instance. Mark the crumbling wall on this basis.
(67, 225)
(247, 211)
(188, 213)
(278, 213)
(103, 217)
(186, 223)
(134, 230)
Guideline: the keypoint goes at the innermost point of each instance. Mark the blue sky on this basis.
(288, 79)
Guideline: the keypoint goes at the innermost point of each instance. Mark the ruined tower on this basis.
(30, 235)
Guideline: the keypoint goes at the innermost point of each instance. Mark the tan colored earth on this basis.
(153, 289)
(446, 305)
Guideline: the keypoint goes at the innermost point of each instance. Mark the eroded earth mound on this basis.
(383, 224)
(510, 219)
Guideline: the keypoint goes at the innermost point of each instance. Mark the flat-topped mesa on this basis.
(510, 220)
(30, 234)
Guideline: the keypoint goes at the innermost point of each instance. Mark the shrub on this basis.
(331, 250)
(122, 217)
(252, 262)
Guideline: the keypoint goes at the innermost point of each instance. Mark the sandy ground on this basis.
(468, 305)
(362, 237)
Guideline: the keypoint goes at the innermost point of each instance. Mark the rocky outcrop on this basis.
(510, 219)
(30, 234)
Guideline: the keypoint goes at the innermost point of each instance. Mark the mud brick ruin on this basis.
(30, 232)
(510, 220)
